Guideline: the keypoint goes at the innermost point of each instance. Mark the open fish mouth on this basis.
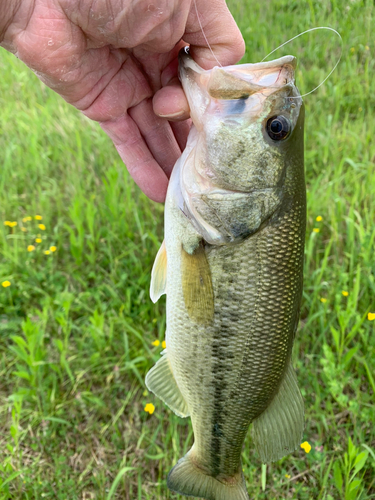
(221, 82)
(248, 85)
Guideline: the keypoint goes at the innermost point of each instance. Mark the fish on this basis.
(231, 266)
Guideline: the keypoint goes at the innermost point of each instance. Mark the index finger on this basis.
(214, 38)
(210, 24)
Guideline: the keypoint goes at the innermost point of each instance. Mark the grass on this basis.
(77, 325)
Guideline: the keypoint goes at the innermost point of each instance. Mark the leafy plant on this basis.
(346, 472)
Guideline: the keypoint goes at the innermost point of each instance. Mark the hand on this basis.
(116, 61)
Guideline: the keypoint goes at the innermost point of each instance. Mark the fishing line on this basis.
(204, 34)
(303, 33)
(327, 28)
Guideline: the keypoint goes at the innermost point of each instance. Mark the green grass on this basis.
(76, 326)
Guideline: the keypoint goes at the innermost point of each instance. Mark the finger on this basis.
(134, 152)
(156, 26)
(219, 29)
(157, 134)
(170, 102)
(181, 131)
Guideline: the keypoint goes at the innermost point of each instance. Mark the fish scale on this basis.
(234, 244)
(259, 316)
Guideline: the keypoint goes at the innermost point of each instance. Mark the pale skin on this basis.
(116, 61)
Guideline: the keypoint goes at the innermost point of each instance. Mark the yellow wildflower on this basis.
(150, 408)
(30, 248)
(38, 240)
(42, 227)
(6, 283)
(345, 293)
(367, 47)
(23, 229)
(145, 393)
(322, 299)
(156, 343)
(164, 344)
(12, 224)
(27, 219)
(38, 217)
(47, 252)
(316, 230)
(306, 446)
(287, 476)
(352, 50)
(7, 223)
(53, 248)
(319, 218)
(371, 316)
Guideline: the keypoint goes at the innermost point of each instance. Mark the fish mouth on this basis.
(186, 63)
(238, 82)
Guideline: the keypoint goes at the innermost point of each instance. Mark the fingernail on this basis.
(173, 115)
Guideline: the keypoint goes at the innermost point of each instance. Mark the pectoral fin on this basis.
(197, 285)
(161, 382)
(278, 430)
(159, 274)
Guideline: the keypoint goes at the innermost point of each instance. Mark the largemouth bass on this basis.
(231, 265)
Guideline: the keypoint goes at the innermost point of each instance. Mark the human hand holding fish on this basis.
(111, 58)
(231, 266)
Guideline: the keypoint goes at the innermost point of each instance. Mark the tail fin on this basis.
(187, 479)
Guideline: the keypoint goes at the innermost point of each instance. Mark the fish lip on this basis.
(186, 63)
(185, 60)
(232, 82)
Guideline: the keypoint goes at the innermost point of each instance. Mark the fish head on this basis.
(249, 120)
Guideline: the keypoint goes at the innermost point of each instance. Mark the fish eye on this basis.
(278, 127)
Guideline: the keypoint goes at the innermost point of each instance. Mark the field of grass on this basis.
(77, 326)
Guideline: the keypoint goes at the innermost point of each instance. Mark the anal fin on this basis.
(161, 382)
(278, 430)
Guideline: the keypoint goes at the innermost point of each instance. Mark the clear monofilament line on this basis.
(303, 33)
(204, 34)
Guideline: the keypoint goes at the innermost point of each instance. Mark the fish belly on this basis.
(229, 371)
